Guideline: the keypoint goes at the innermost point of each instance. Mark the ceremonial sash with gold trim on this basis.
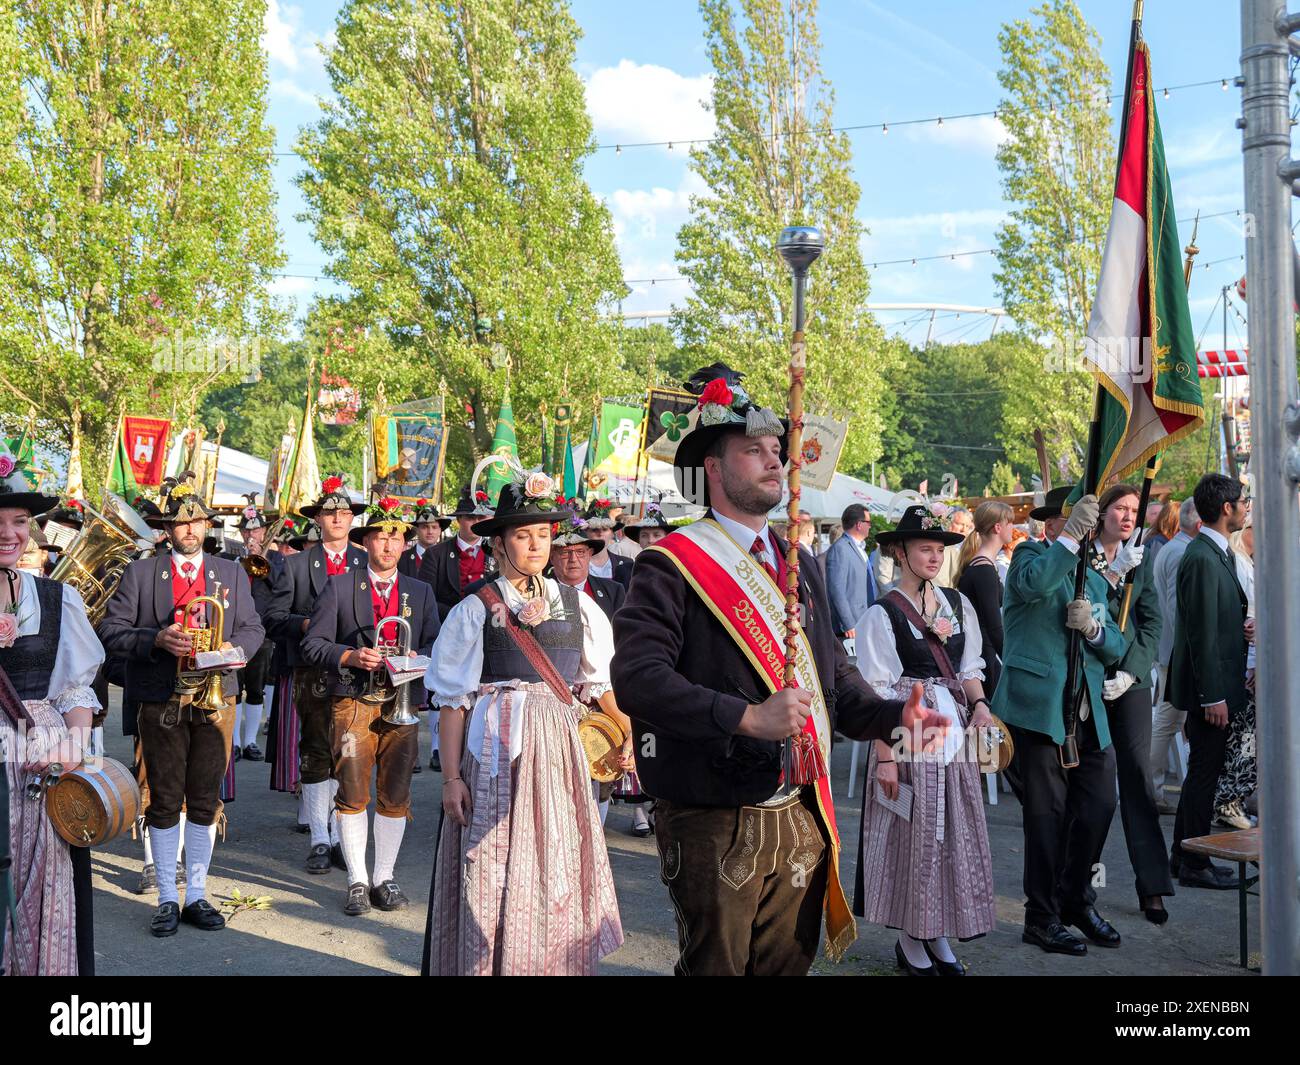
(751, 608)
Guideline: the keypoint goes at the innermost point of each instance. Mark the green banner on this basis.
(617, 445)
(503, 444)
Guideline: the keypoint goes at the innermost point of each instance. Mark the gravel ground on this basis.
(305, 932)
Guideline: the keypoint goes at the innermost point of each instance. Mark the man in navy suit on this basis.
(342, 640)
(849, 580)
(571, 552)
(185, 748)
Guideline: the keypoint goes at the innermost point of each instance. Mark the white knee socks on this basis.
(252, 722)
(333, 823)
(199, 840)
(317, 800)
(165, 842)
(388, 841)
(353, 833)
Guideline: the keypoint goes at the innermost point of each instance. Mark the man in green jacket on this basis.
(1207, 668)
(1067, 812)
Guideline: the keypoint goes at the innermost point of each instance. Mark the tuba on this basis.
(378, 690)
(204, 687)
(94, 562)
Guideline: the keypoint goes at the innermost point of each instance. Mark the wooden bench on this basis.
(1241, 847)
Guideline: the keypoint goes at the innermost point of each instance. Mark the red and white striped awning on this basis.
(1222, 363)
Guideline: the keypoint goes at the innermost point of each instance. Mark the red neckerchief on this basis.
(183, 592)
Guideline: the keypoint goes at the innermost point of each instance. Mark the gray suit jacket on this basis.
(850, 583)
(143, 606)
(1164, 574)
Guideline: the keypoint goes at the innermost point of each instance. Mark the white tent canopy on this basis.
(843, 492)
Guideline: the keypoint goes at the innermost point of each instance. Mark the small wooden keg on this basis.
(601, 739)
(93, 804)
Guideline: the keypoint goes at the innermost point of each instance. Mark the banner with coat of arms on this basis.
(823, 440)
(410, 447)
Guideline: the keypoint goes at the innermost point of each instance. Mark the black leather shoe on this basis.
(253, 753)
(302, 829)
(166, 920)
(201, 915)
(336, 857)
(235, 753)
(946, 968)
(181, 878)
(1153, 908)
(1054, 938)
(318, 861)
(388, 896)
(912, 970)
(435, 763)
(416, 767)
(357, 903)
(148, 880)
(1215, 877)
(1094, 926)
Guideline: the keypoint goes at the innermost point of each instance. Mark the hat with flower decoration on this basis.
(725, 408)
(427, 512)
(69, 512)
(299, 532)
(16, 488)
(529, 497)
(180, 503)
(652, 519)
(918, 523)
(251, 517)
(597, 515)
(573, 531)
(472, 504)
(333, 496)
(386, 514)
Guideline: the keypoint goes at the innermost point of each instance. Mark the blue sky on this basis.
(926, 190)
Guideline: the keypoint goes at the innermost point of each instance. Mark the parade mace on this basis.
(799, 247)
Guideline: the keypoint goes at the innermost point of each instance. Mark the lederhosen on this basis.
(29, 663)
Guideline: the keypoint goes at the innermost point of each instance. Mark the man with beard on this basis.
(736, 760)
(184, 747)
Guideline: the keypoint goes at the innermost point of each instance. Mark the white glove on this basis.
(1127, 558)
(1078, 615)
(1118, 684)
(1082, 519)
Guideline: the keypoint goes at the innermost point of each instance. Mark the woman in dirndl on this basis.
(521, 880)
(924, 867)
(50, 655)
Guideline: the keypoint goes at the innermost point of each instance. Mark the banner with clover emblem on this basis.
(670, 415)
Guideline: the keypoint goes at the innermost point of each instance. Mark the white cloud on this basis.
(940, 232)
(982, 134)
(641, 102)
(653, 214)
(290, 88)
(1213, 144)
(291, 287)
(278, 34)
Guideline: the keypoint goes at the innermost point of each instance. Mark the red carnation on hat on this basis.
(480, 496)
(332, 485)
(421, 502)
(716, 391)
(389, 503)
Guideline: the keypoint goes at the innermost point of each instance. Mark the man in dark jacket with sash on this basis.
(185, 747)
(747, 839)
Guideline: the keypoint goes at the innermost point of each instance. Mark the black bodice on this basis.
(30, 661)
(913, 651)
(561, 639)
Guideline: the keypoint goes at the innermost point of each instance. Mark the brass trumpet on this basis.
(190, 680)
(256, 566)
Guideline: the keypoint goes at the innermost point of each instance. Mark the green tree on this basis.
(135, 166)
(772, 165)
(445, 182)
(941, 411)
(1058, 175)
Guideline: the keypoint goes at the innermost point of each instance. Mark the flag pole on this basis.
(799, 247)
(1074, 657)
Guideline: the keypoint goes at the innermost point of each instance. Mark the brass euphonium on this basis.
(206, 637)
(96, 559)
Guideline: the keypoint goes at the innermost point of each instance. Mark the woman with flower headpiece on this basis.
(521, 881)
(50, 655)
(924, 866)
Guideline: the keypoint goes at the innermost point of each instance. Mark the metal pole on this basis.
(1275, 465)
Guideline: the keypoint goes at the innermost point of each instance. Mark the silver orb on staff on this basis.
(799, 247)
